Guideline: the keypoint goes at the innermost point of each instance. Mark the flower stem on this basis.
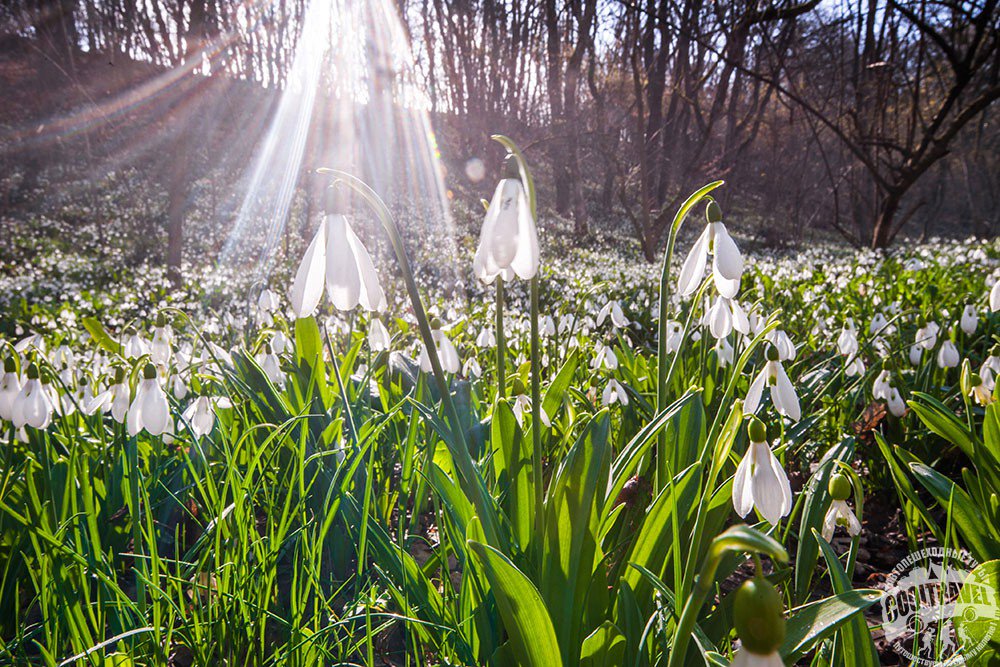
(536, 411)
(501, 342)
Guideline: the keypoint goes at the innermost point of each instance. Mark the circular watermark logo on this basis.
(932, 602)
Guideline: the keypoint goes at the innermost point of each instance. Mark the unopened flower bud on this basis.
(712, 212)
(758, 615)
(839, 486)
(149, 372)
(756, 430)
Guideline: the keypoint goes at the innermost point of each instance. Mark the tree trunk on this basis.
(881, 233)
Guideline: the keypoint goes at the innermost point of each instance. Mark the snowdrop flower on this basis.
(614, 309)
(447, 354)
(727, 262)
(990, 368)
(995, 296)
(947, 356)
(897, 406)
(981, 391)
(159, 349)
(471, 368)
(604, 357)
(782, 343)
(378, 336)
(10, 387)
(271, 365)
(970, 320)
(927, 335)
(547, 326)
(725, 352)
(613, 393)
(847, 342)
(280, 343)
(916, 352)
(855, 367)
(508, 242)
(135, 346)
(840, 513)
(760, 481)
(879, 322)
(268, 301)
(783, 395)
(726, 315)
(337, 257)
(486, 338)
(149, 410)
(881, 387)
(760, 624)
(200, 414)
(675, 336)
(33, 405)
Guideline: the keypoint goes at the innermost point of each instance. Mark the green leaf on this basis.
(976, 614)
(556, 392)
(976, 530)
(938, 418)
(856, 637)
(512, 462)
(812, 623)
(532, 638)
(604, 647)
(100, 335)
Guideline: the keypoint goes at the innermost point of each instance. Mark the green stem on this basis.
(536, 411)
(501, 342)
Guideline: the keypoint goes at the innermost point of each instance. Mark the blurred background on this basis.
(190, 130)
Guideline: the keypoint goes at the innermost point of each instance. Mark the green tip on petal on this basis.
(839, 486)
(756, 430)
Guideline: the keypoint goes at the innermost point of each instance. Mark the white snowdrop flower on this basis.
(447, 354)
(178, 387)
(727, 262)
(783, 395)
(547, 326)
(878, 323)
(970, 320)
(614, 309)
(159, 348)
(614, 393)
(881, 386)
(271, 365)
(995, 296)
(855, 367)
(200, 415)
(135, 346)
(471, 368)
(280, 343)
(897, 406)
(783, 343)
(508, 242)
(980, 390)
(33, 404)
(746, 658)
(149, 410)
(268, 301)
(675, 336)
(916, 352)
(10, 387)
(337, 257)
(725, 352)
(847, 342)
(840, 513)
(378, 336)
(927, 335)
(604, 357)
(948, 356)
(760, 481)
(726, 315)
(486, 338)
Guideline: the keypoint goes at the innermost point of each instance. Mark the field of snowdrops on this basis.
(558, 457)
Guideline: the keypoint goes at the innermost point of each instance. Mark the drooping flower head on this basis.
(783, 395)
(508, 242)
(758, 616)
(760, 481)
(727, 262)
(840, 513)
(149, 410)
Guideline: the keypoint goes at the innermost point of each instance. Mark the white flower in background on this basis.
(725, 351)
(847, 341)
(614, 393)
(271, 365)
(10, 387)
(948, 356)
(337, 257)
(855, 367)
(486, 338)
(881, 386)
(783, 343)
(447, 354)
(990, 368)
(280, 343)
(840, 513)
(981, 389)
(726, 315)
(879, 322)
(970, 320)
(995, 296)
(33, 404)
(916, 352)
(378, 336)
(760, 481)
(135, 346)
(604, 357)
(546, 326)
(675, 336)
(614, 309)
(268, 301)
(727, 262)
(927, 335)
(159, 349)
(897, 406)
(178, 387)
(471, 368)
(200, 415)
(783, 395)
(508, 242)
(149, 410)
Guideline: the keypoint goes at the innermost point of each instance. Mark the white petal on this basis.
(728, 261)
(372, 296)
(742, 487)
(754, 393)
(720, 319)
(995, 296)
(783, 395)
(525, 262)
(694, 266)
(343, 276)
(766, 482)
(307, 288)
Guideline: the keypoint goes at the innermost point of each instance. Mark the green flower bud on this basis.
(33, 372)
(518, 387)
(119, 375)
(9, 365)
(712, 212)
(976, 380)
(511, 169)
(758, 615)
(839, 486)
(149, 372)
(756, 430)
(161, 320)
(435, 323)
(772, 353)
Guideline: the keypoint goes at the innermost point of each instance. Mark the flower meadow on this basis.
(560, 457)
